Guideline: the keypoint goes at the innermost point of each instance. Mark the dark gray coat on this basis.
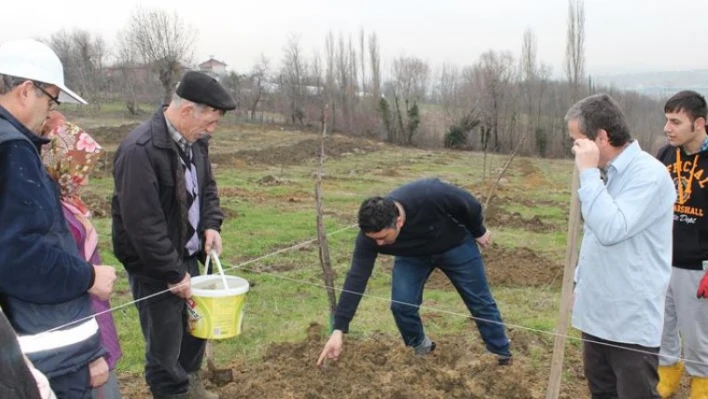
(149, 205)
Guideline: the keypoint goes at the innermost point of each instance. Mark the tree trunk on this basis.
(325, 260)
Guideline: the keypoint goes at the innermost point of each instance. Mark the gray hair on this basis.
(9, 82)
(179, 101)
(600, 111)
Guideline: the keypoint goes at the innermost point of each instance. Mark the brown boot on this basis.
(197, 390)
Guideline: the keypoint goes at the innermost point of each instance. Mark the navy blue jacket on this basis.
(43, 280)
(439, 217)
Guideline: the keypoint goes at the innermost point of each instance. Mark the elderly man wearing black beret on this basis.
(166, 217)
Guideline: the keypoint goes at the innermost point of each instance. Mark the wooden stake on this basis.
(325, 261)
(571, 259)
(493, 188)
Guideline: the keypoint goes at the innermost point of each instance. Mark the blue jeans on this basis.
(464, 267)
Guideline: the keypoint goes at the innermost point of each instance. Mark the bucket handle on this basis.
(218, 264)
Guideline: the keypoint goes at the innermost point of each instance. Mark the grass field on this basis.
(266, 185)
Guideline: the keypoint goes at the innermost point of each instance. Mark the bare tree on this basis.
(343, 78)
(541, 133)
(83, 55)
(575, 47)
(91, 53)
(258, 78)
(353, 86)
(235, 83)
(362, 54)
(529, 49)
(493, 75)
(163, 41)
(411, 75)
(126, 76)
(61, 42)
(293, 78)
(409, 86)
(331, 91)
(529, 75)
(448, 92)
(375, 62)
(317, 80)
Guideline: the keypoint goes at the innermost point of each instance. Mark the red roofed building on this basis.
(213, 66)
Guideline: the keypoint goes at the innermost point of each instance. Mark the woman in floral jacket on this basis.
(69, 158)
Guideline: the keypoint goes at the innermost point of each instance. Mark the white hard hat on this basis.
(34, 60)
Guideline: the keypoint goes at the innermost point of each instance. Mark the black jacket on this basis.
(149, 204)
(16, 380)
(439, 217)
(690, 233)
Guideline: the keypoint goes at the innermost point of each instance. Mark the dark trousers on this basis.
(464, 267)
(74, 385)
(171, 353)
(620, 371)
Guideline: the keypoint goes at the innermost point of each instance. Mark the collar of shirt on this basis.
(704, 145)
(177, 136)
(622, 160)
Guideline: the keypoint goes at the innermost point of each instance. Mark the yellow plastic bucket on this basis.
(215, 312)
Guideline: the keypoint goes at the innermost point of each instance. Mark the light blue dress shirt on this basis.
(624, 264)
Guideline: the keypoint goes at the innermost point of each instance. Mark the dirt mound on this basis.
(527, 168)
(382, 367)
(511, 267)
(104, 165)
(269, 180)
(99, 205)
(389, 172)
(105, 135)
(533, 177)
(303, 151)
(496, 216)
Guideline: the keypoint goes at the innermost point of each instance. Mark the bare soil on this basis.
(382, 368)
(496, 216)
(304, 151)
(511, 267)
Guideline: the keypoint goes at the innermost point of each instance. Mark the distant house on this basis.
(212, 66)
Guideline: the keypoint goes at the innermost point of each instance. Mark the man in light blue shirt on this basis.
(624, 266)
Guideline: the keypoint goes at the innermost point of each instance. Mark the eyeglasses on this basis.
(53, 99)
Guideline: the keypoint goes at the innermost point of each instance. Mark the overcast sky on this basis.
(621, 35)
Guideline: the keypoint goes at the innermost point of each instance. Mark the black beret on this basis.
(201, 88)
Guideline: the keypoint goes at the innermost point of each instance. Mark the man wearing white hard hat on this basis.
(44, 282)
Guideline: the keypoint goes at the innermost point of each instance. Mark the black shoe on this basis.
(180, 396)
(504, 360)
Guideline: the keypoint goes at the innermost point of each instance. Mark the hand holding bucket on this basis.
(216, 308)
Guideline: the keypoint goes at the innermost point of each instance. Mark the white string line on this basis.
(437, 310)
(341, 290)
(248, 262)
